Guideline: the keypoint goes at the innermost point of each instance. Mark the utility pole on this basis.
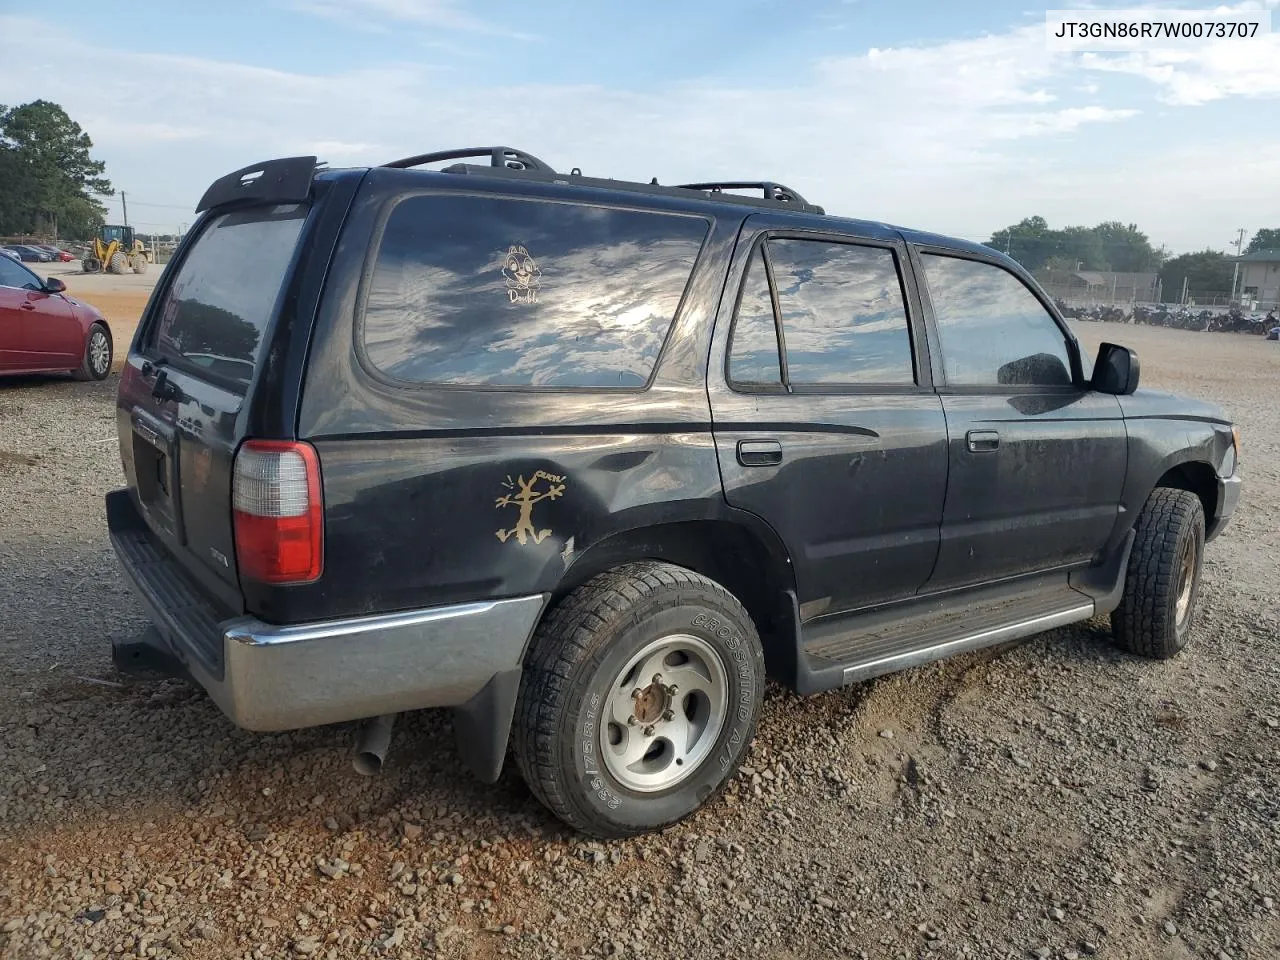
(125, 207)
(1235, 274)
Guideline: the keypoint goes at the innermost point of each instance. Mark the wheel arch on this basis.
(1194, 476)
(740, 552)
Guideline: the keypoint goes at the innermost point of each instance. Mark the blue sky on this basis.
(950, 116)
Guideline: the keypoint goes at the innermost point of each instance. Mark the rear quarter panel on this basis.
(423, 486)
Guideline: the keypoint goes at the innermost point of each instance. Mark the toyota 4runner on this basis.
(585, 459)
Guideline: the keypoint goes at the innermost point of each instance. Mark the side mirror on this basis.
(1115, 370)
(54, 285)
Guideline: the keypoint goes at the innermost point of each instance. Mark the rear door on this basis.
(1037, 459)
(183, 394)
(826, 424)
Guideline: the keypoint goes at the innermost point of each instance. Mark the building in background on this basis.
(1259, 278)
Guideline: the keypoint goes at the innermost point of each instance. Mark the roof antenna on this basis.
(653, 182)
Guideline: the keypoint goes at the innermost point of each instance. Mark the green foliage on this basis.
(47, 177)
(1207, 272)
(1268, 238)
(1108, 246)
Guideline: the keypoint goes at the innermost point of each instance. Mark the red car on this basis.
(56, 252)
(42, 330)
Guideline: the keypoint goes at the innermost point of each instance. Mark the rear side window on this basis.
(993, 331)
(484, 291)
(218, 307)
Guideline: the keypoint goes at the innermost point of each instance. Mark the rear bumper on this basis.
(1228, 497)
(282, 677)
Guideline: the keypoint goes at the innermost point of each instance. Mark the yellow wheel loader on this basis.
(116, 250)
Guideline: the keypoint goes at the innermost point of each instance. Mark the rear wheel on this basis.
(639, 698)
(1162, 583)
(97, 355)
(139, 264)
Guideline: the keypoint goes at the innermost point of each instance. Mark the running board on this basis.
(859, 648)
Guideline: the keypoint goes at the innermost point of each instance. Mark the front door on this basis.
(14, 281)
(1037, 460)
(826, 424)
(41, 327)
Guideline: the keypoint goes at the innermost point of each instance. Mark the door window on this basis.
(843, 318)
(753, 353)
(994, 331)
(13, 274)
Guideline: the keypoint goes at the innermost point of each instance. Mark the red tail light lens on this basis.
(278, 511)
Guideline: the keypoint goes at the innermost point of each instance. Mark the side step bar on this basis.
(839, 651)
(974, 641)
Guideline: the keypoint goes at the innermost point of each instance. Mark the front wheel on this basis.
(639, 698)
(96, 363)
(1162, 582)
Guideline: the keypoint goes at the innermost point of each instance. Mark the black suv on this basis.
(584, 459)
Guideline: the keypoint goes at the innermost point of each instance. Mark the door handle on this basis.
(759, 453)
(982, 441)
(28, 306)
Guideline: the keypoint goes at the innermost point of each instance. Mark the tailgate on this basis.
(185, 384)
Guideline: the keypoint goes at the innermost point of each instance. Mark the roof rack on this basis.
(505, 157)
(771, 190)
(508, 161)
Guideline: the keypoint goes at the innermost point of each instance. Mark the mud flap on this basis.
(482, 725)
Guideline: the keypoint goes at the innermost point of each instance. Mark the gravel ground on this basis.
(1057, 799)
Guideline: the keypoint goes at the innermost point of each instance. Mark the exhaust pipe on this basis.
(373, 737)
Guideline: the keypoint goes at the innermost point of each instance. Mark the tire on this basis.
(591, 653)
(97, 355)
(140, 264)
(90, 264)
(119, 263)
(1162, 583)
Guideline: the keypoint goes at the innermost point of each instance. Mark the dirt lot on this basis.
(1059, 799)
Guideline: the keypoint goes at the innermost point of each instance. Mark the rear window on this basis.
(483, 291)
(216, 311)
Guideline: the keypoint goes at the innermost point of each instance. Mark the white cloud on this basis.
(381, 15)
(1193, 75)
(960, 136)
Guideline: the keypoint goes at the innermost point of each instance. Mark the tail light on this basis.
(278, 511)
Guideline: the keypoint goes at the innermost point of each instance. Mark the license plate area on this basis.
(156, 471)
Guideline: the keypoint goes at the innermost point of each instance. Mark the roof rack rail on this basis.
(507, 157)
(771, 190)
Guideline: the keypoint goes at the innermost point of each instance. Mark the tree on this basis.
(1030, 242)
(1268, 238)
(1125, 248)
(47, 177)
(1207, 272)
(1108, 246)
